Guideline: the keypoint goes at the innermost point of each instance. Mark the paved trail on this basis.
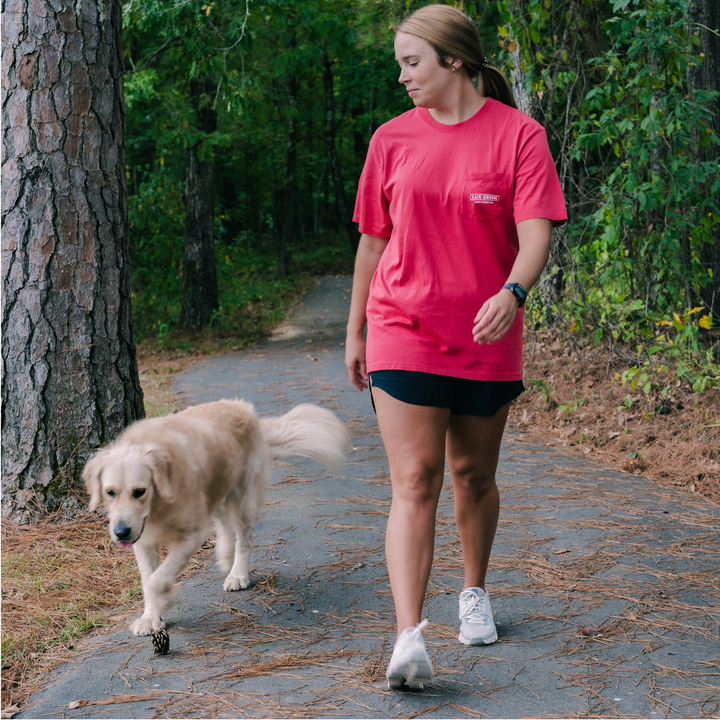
(606, 587)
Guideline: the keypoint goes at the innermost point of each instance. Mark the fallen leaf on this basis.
(10, 711)
(77, 704)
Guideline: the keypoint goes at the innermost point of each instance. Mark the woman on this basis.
(455, 205)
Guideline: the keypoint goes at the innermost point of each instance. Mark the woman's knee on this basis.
(417, 483)
(473, 482)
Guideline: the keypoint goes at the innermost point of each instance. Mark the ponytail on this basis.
(496, 86)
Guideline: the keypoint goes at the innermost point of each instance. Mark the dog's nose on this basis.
(122, 531)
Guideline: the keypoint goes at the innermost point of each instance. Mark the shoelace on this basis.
(411, 634)
(470, 610)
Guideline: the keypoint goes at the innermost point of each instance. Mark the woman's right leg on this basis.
(414, 439)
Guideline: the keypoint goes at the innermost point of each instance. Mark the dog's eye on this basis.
(138, 493)
(111, 493)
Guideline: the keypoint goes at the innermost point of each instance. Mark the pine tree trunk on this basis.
(341, 201)
(705, 75)
(70, 379)
(200, 289)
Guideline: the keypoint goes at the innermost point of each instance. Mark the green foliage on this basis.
(629, 135)
(157, 221)
(658, 203)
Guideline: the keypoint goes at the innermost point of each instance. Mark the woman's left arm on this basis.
(497, 314)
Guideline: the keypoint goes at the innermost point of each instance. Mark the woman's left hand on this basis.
(495, 318)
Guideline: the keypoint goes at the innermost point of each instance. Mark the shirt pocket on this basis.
(484, 195)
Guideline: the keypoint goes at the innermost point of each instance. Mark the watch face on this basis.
(519, 292)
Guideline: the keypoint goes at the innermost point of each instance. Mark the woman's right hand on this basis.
(355, 361)
(369, 252)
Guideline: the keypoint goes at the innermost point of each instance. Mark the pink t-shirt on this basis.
(448, 197)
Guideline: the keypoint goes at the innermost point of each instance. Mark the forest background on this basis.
(278, 101)
(247, 127)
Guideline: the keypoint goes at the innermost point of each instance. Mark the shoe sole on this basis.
(415, 677)
(479, 641)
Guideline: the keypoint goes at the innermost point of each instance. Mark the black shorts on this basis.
(463, 397)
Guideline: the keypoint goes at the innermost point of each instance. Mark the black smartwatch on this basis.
(518, 291)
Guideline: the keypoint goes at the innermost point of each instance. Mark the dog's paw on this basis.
(146, 626)
(232, 584)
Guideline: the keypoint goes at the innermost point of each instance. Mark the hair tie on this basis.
(485, 62)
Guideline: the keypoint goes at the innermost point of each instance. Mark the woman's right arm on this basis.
(367, 259)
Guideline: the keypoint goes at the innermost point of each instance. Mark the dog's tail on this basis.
(309, 431)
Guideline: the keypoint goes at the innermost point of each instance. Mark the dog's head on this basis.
(126, 479)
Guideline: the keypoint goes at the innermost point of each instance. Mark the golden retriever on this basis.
(164, 479)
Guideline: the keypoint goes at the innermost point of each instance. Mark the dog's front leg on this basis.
(160, 586)
(148, 559)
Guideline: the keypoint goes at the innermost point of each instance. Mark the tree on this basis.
(70, 380)
(344, 211)
(287, 231)
(187, 45)
(705, 75)
(199, 288)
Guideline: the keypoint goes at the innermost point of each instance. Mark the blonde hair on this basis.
(453, 36)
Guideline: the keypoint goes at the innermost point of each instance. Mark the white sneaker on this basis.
(476, 619)
(410, 662)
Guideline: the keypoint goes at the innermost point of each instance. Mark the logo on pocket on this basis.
(484, 198)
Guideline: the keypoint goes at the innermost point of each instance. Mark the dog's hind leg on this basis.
(239, 576)
(224, 540)
(242, 521)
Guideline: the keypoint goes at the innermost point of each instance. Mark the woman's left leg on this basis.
(473, 450)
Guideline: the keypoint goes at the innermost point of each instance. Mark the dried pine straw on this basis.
(49, 597)
(674, 440)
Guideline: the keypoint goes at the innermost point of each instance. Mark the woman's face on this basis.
(427, 81)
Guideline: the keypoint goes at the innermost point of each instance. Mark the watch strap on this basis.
(518, 291)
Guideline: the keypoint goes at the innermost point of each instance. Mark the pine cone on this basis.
(161, 641)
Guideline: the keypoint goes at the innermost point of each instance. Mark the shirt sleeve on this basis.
(372, 206)
(537, 192)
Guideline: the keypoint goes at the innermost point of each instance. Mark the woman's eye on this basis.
(137, 494)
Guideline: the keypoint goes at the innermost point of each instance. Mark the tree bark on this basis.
(70, 380)
(341, 202)
(200, 289)
(705, 75)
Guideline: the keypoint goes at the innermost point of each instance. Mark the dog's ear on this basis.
(159, 462)
(91, 477)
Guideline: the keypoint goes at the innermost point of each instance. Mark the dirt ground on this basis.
(576, 399)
